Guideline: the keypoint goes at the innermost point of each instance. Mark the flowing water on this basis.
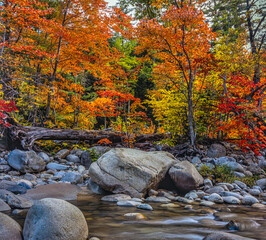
(107, 222)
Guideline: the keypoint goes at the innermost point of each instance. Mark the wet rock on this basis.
(258, 206)
(57, 166)
(214, 197)
(63, 191)
(127, 204)
(95, 188)
(44, 156)
(73, 158)
(170, 205)
(135, 216)
(231, 200)
(72, 177)
(85, 159)
(183, 200)
(206, 203)
(59, 219)
(249, 200)
(157, 199)
(224, 236)
(130, 171)
(116, 198)
(242, 225)
(94, 238)
(15, 201)
(145, 206)
(26, 162)
(216, 150)
(62, 153)
(9, 228)
(185, 176)
(3, 207)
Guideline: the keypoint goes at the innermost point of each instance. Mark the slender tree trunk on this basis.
(191, 112)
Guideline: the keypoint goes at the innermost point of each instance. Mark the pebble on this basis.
(240, 184)
(127, 204)
(157, 199)
(134, 216)
(56, 166)
(145, 206)
(231, 200)
(249, 200)
(206, 203)
(214, 197)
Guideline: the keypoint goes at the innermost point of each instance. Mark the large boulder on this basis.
(185, 176)
(130, 171)
(216, 151)
(55, 219)
(26, 162)
(9, 228)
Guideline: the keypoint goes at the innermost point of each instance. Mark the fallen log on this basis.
(23, 137)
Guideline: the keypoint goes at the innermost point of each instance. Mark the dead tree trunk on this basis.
(22, 137)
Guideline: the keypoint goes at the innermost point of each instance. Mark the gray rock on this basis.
(17, 189)
(254, 192)
(207, 203)
(208, 183)
(249, 200)
(224, 160)
(100, 150)
(185, 176)
(183, 200)
(228, 185)
(216, 189)
(30, 177)
(116, 198)
(3, 207)
(73, 158)
(55, 219)
(225, 236)
(81, 168)
(242, 225)
(26, 161)
(62, 153)
(85, 159)
(240, 184)
(230, 194)
(57, 166)
(216, 150)
(145, 206)
(191, 195)
(239, 174)
(209, 165)
(9, 228)
(214, 197)
(262, 183)
(231, 200)
(255, 169)
(44, 156)
(130, 171)
(63, 191)
(4, 168)
(158, 199)
(127, 204)
(4, 184)
(195, 160)
(15, 201)
(72, 177)
(95, 188)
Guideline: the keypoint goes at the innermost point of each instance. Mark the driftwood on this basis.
(23, 137)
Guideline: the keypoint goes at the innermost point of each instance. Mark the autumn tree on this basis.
(180, 41)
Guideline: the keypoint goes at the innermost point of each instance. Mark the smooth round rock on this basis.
(249, 200)
(9, 228)
(55, 219)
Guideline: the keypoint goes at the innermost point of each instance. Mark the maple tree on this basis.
(181, 43)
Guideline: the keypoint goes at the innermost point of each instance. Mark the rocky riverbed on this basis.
(148, 194)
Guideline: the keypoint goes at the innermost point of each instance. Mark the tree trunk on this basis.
(23, 137)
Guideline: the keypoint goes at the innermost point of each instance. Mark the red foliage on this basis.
(6, 107)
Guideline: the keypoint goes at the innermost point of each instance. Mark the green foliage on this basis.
(223, 173)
